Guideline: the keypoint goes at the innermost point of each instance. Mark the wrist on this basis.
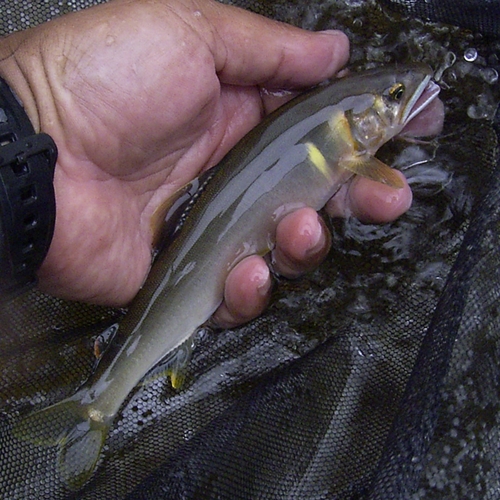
(27, 202)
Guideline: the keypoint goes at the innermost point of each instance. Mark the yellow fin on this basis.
(178, 366)
(177, 378)
(174, 366)
(103, 340)
(374, 169)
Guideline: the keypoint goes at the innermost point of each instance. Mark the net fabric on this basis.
(446, 424)
(373, 377)
(477, 15)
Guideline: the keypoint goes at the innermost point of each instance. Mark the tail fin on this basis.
(79, 432)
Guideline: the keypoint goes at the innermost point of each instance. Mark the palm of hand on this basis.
(138, 117)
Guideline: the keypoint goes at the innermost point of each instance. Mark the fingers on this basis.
(370, 201)
(251, 49)
(302, 242)
(246, 294)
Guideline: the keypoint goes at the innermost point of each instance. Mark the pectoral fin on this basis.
(374, 169)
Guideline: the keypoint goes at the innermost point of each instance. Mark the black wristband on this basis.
(27, 201)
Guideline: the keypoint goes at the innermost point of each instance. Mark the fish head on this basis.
(392, 98)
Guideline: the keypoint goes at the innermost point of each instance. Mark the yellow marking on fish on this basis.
(317, 159)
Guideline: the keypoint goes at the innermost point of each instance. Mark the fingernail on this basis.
(330, 32)
(340, 53)
(314, 232)
(261, 279)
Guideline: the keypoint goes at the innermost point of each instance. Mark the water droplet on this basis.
(470, 55)
(489, 75)
(483, 110)
(450, 59)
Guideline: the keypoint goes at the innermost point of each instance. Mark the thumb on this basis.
(249, 49)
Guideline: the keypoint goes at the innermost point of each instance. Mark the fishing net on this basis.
(374, 377)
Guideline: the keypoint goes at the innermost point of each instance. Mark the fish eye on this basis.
(397, 91)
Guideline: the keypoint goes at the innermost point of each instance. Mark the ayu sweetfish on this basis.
(298, 156)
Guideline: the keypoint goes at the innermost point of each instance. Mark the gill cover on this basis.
(384, 117)
(361, 163)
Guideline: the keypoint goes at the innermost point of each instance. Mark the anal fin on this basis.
(174, 366)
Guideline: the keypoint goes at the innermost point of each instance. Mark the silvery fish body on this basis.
(298, 156)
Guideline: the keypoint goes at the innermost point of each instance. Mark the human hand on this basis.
(140, 97)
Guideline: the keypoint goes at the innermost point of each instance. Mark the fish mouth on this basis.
(426, 92)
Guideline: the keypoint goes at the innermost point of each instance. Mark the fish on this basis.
(300, 155)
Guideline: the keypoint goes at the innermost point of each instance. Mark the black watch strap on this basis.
(27, 201)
